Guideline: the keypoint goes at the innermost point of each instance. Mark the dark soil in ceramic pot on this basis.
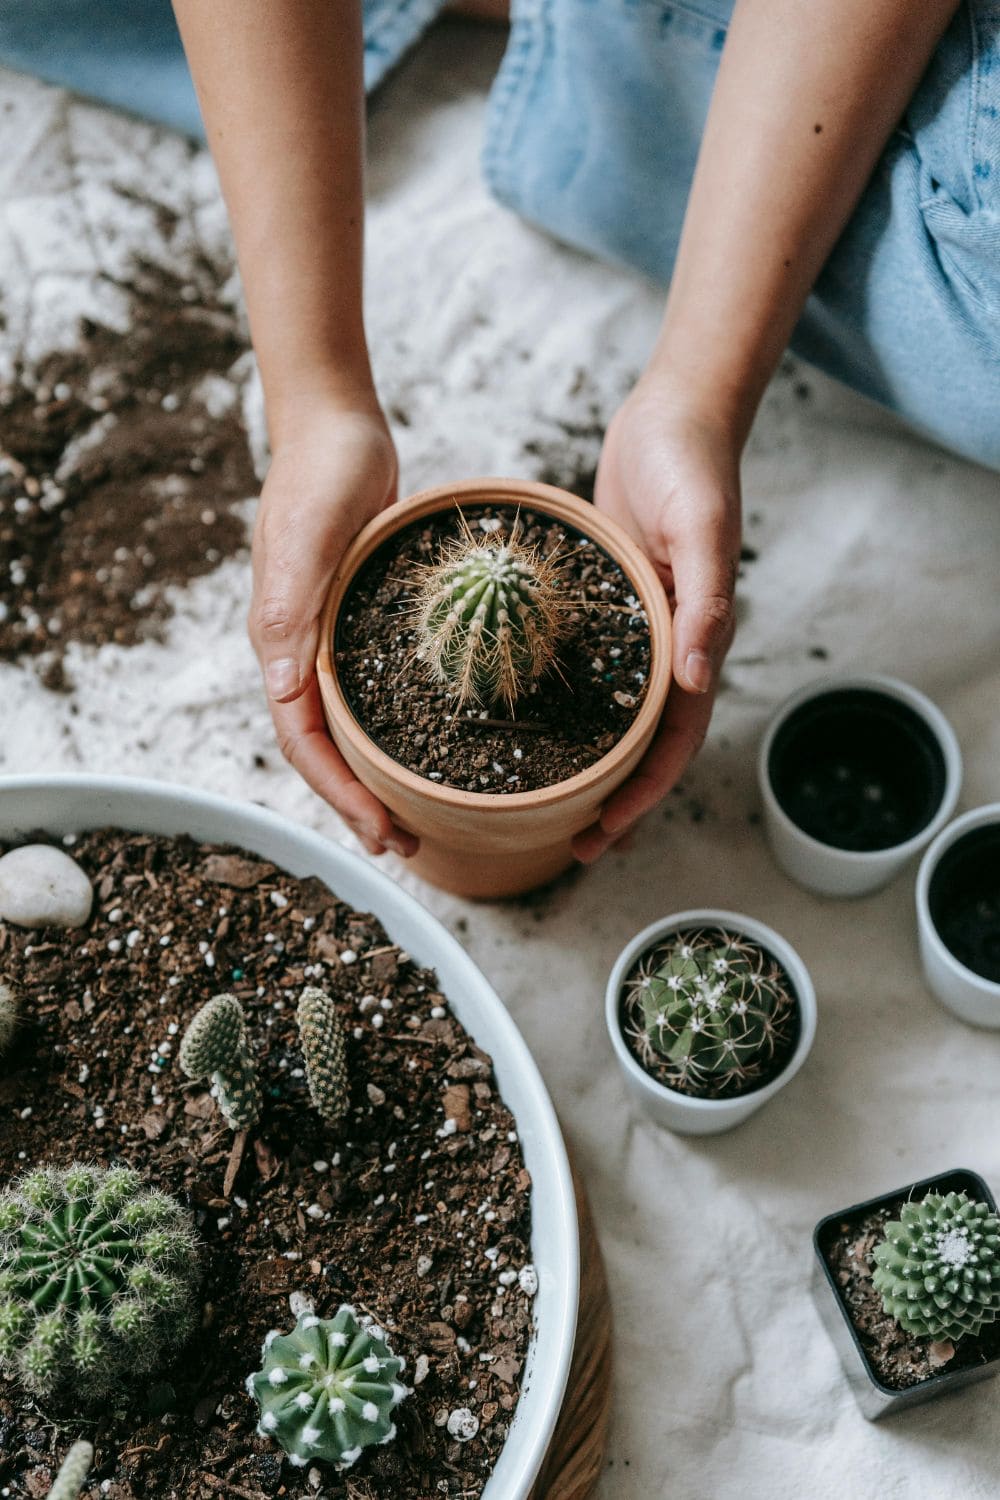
(889, 1368)
(857, 770)
(964, 900)
(416, 1210)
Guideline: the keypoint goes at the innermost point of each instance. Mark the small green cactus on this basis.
(710, 1007)
(327, 1389)
(73, 1473)
(215, 1046)
(97, 1279)
(938, 1268)
(8, 1014)
(489, 617)
(324, 1048)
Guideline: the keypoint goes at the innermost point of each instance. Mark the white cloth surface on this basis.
(872, 545)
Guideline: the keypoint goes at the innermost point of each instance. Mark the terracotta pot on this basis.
(482, 844)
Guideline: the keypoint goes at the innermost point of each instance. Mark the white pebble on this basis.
(462, 1425)
(40, 886)
(528, 1280)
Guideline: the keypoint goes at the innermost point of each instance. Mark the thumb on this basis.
(704, 570)
(295, 554)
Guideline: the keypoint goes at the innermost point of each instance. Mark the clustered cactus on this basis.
(327, 1390)
(98, 1277)
(324, 1049)
(73, 1472)
(709, 1007)
(215, 1046)
(8, 1014)
(938, 1268)
(489, 617)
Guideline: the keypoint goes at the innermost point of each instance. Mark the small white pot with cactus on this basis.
(710, 1013)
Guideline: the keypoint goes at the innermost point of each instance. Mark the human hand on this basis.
(671, 478)
(333, 468)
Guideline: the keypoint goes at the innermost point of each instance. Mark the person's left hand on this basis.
(671, 478)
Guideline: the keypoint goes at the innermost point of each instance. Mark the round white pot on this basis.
(821, 867)
(68, 804)
(682, 1112)
(969, 995)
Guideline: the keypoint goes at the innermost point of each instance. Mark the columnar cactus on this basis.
(938, 1268)
(8, 1014)
(97, 1279)
(328, 1389)
(324, 1049)
(215, 1046)
(489, 617)
(73, 1473)
(711, 1006)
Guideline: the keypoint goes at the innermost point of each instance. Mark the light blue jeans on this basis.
(593, 131)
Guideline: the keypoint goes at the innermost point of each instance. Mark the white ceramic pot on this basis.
(682, 1112)
(971, 996)
(66, 804)
(823, 867)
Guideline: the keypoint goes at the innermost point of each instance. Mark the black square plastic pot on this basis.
(875, 1399)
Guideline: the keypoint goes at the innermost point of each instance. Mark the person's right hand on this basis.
(333, 468)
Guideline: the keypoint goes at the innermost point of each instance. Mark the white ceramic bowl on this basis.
(823, 868)
(67, 804)
(682, 1112)
(969, 995)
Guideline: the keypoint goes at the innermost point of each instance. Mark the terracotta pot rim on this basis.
(563, 506)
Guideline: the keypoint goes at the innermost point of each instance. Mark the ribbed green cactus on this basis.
(711, 1006)
(328, 1389)
(324, 1048)
(97, 1279)
(73, 1473)
(8, 1014)
(215, 1046)
(489, 617)
(938, 1268)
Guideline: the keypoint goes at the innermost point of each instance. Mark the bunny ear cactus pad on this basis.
(324, 1050)
(711, 1006)
(215, 1046)
(97, 1280)
(489, 616)
(328, 1389)
(938, 1268)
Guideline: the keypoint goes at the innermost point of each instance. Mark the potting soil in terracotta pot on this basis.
(416, 1211)
(572, 716)
(898, 1359)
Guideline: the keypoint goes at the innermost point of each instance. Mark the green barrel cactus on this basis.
(328, 1389)
(8, 1014)
(938, 1268)
(215, 1046)
(98, 1277)
(489, 617)
(324, 1050)
(710, 1006)
(73, 1472)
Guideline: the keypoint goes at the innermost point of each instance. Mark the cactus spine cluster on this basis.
(73, 1472)
(97, 1279)
(327, 1390)
(215, 1046)
(710, 1007)
(324, 1050)
(938, 1268)
(8, 1014)
(489, 617)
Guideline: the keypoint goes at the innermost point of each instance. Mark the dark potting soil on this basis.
(720, 1086)
(121, 462)
(898, 1359)
(964, 899)
(573, 715)
(417, 1211)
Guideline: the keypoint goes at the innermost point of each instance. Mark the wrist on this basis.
(299, 407)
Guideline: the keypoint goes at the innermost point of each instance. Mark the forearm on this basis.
(281, 92)
(807, 94)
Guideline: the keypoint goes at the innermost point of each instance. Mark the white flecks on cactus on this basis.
(214, 1047)
(334, 1404)
(73, 1472)
(40, 886)
(9, 1011)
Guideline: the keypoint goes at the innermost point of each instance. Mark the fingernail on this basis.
(698, 671)
(281, 677)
